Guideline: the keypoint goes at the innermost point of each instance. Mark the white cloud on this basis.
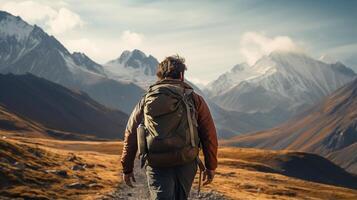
(254, 45)
(82, 45)
(64, 20)
(99, 49)
(55, 21)
(344, 53)
(30, 11)
(131, 39)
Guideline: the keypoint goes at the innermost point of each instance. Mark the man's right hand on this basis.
(127, 178)
(208, 176)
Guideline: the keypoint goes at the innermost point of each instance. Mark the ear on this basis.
(182, 78)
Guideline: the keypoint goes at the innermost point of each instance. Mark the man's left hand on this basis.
(208, 176)
(127, 179)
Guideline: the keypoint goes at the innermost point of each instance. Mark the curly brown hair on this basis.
(171, 67)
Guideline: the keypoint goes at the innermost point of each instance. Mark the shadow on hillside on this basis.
(304, 166)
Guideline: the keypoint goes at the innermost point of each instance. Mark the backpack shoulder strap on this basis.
(187, 93)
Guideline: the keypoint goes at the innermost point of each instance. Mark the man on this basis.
(176, 122)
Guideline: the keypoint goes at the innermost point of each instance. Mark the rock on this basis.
(77, 185)
(102, 166)
(95, 185)
(89, 166)
(36, 152)
(33, 167)
(77, 167)
(19, 165)
(78, 176)
(62, 173)
(4, 160)
(72, 157)
(209, 195)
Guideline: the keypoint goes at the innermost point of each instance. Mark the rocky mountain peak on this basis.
(136, 53)
(83, 60)
(12, 26)
(135, 60)
(239, 67)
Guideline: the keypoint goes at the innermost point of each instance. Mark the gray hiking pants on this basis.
(171, 183)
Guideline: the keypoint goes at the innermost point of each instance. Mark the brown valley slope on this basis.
(247, 174)
(12, 123)
(54, 169)
(329, 129)
(55, 107)
(68, 170)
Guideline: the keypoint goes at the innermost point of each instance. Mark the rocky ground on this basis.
(140, 191)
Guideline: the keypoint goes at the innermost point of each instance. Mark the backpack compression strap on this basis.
(189, 116)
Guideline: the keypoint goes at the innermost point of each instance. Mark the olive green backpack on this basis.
(171, 134)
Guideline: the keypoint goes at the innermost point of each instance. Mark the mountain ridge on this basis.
(44, 56)
(328, 129)
(56, 107)
(133, 66)
(283, 81)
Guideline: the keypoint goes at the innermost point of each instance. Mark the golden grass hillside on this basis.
(50, 169)
(40, 168)
(246, 174)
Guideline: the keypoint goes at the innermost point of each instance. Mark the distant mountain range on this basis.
(328, 129)
(279, 85)
(135, 66)
(28, 49)
(119, 84)
(34, 104)
(246, 99)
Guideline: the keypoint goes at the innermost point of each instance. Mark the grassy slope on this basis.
(32, 181)
(252, 174)
(242, 173)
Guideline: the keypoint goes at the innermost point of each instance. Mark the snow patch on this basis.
(14, 26)
(81, 72)
(128, 74)
(295, 78)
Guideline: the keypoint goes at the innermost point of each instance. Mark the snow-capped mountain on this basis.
(328, 59)
(136, 67)
(283, 81)
(229, 79)
(133, 66)
(14, 27)
(28, 49)
(328, 129)
(81, 59)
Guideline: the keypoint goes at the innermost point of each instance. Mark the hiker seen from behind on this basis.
(168, 128)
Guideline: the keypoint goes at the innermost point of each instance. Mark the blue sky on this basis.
(212, 35)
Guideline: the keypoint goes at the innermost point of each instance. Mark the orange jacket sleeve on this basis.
(207, 132)
(130, 143)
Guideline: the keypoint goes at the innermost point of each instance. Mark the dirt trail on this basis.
(140, 191)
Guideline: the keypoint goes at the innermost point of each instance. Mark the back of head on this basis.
(171, 67)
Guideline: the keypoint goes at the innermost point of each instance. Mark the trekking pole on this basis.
(202, 168)
(199, 183)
